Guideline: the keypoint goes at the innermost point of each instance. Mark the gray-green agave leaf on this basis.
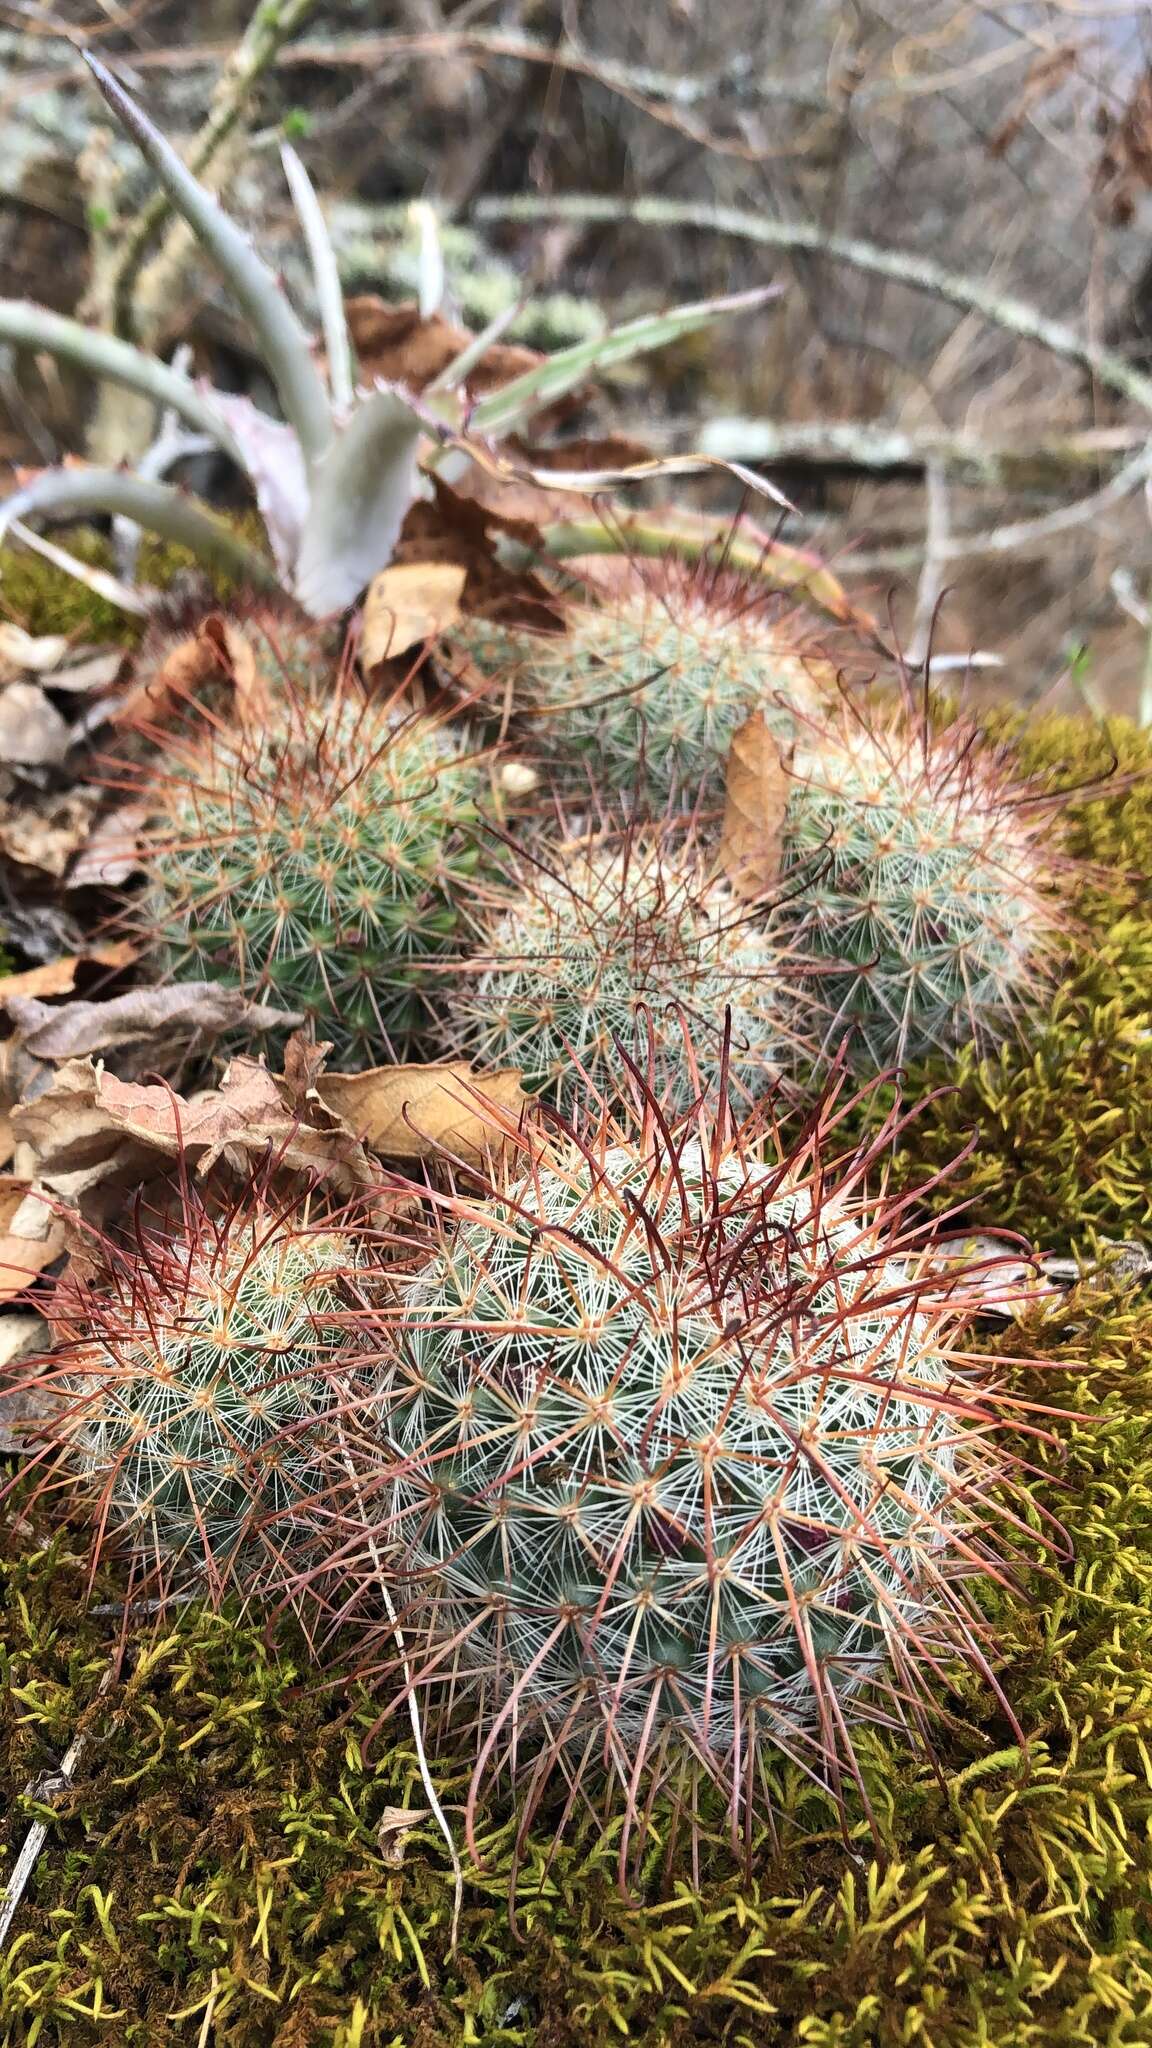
(334, 479)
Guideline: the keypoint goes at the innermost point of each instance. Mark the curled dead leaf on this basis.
(88, 1133)
(156, 1021)
(408, 604)
(755, 802)
(426, 1112)
(392, 1830)
(985, 1273)
(45, 834)
(98, 671)
(29, 654)
(113, 851)
(28, 1404)
(31, 1234)
(217, 652)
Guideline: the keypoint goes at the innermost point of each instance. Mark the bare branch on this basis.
(854, 446)
(920, 273)
(263, 39)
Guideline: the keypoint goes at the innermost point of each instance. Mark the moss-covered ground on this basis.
(215, 1877)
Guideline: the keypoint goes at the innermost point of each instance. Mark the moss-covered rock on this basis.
(216, 1875)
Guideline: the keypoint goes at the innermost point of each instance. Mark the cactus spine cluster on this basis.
(314, 859)
(918, 875)
(644, 693)
(602, 945)
(192, 1398)
(683, 1456)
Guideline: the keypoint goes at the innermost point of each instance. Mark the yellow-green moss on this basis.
(215, 1876)
(44, 599)
(1060, 1121)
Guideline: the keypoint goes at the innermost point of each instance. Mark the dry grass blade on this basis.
(755, 800)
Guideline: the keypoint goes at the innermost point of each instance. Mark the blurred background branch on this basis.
(959, 195)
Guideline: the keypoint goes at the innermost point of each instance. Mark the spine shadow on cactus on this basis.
(683, 1451)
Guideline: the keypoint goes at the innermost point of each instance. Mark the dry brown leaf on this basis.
(755, 800)
(32, 732)
(425, 1112)
(113, 851)
(158, 1020)
(73, 1142)
(408, 604)
(392, 1830)
(217, 652)
(58, 977)
(393, 345)
(46, 833)
(25, 1406)
(986, 1273)
(31, 1235)
(89, 1131)
(251, 695)
(7, 1140)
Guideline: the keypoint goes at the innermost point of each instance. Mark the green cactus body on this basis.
(682, 1453)
(314, 859)
(600, 948)
(919, 878)
(194, 1395)
(645, 694)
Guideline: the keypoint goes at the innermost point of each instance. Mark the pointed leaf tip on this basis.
(285, 346)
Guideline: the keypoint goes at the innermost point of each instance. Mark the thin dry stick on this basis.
(1003, 540)
(920, 273)
(99, 581)
(37, 1834)
(258, 48)
(931, 584)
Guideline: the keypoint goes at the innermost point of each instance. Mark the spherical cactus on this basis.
(195, 1390)
(643, 694)
(313, 857)
(923, 880)
(686, 1459)
(607, 944)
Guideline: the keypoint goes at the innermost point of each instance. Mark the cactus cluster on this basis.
(313, 858)
(685, 1459)
(644, 693)
(200, 1372)
(616, 942)
(918, 877)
